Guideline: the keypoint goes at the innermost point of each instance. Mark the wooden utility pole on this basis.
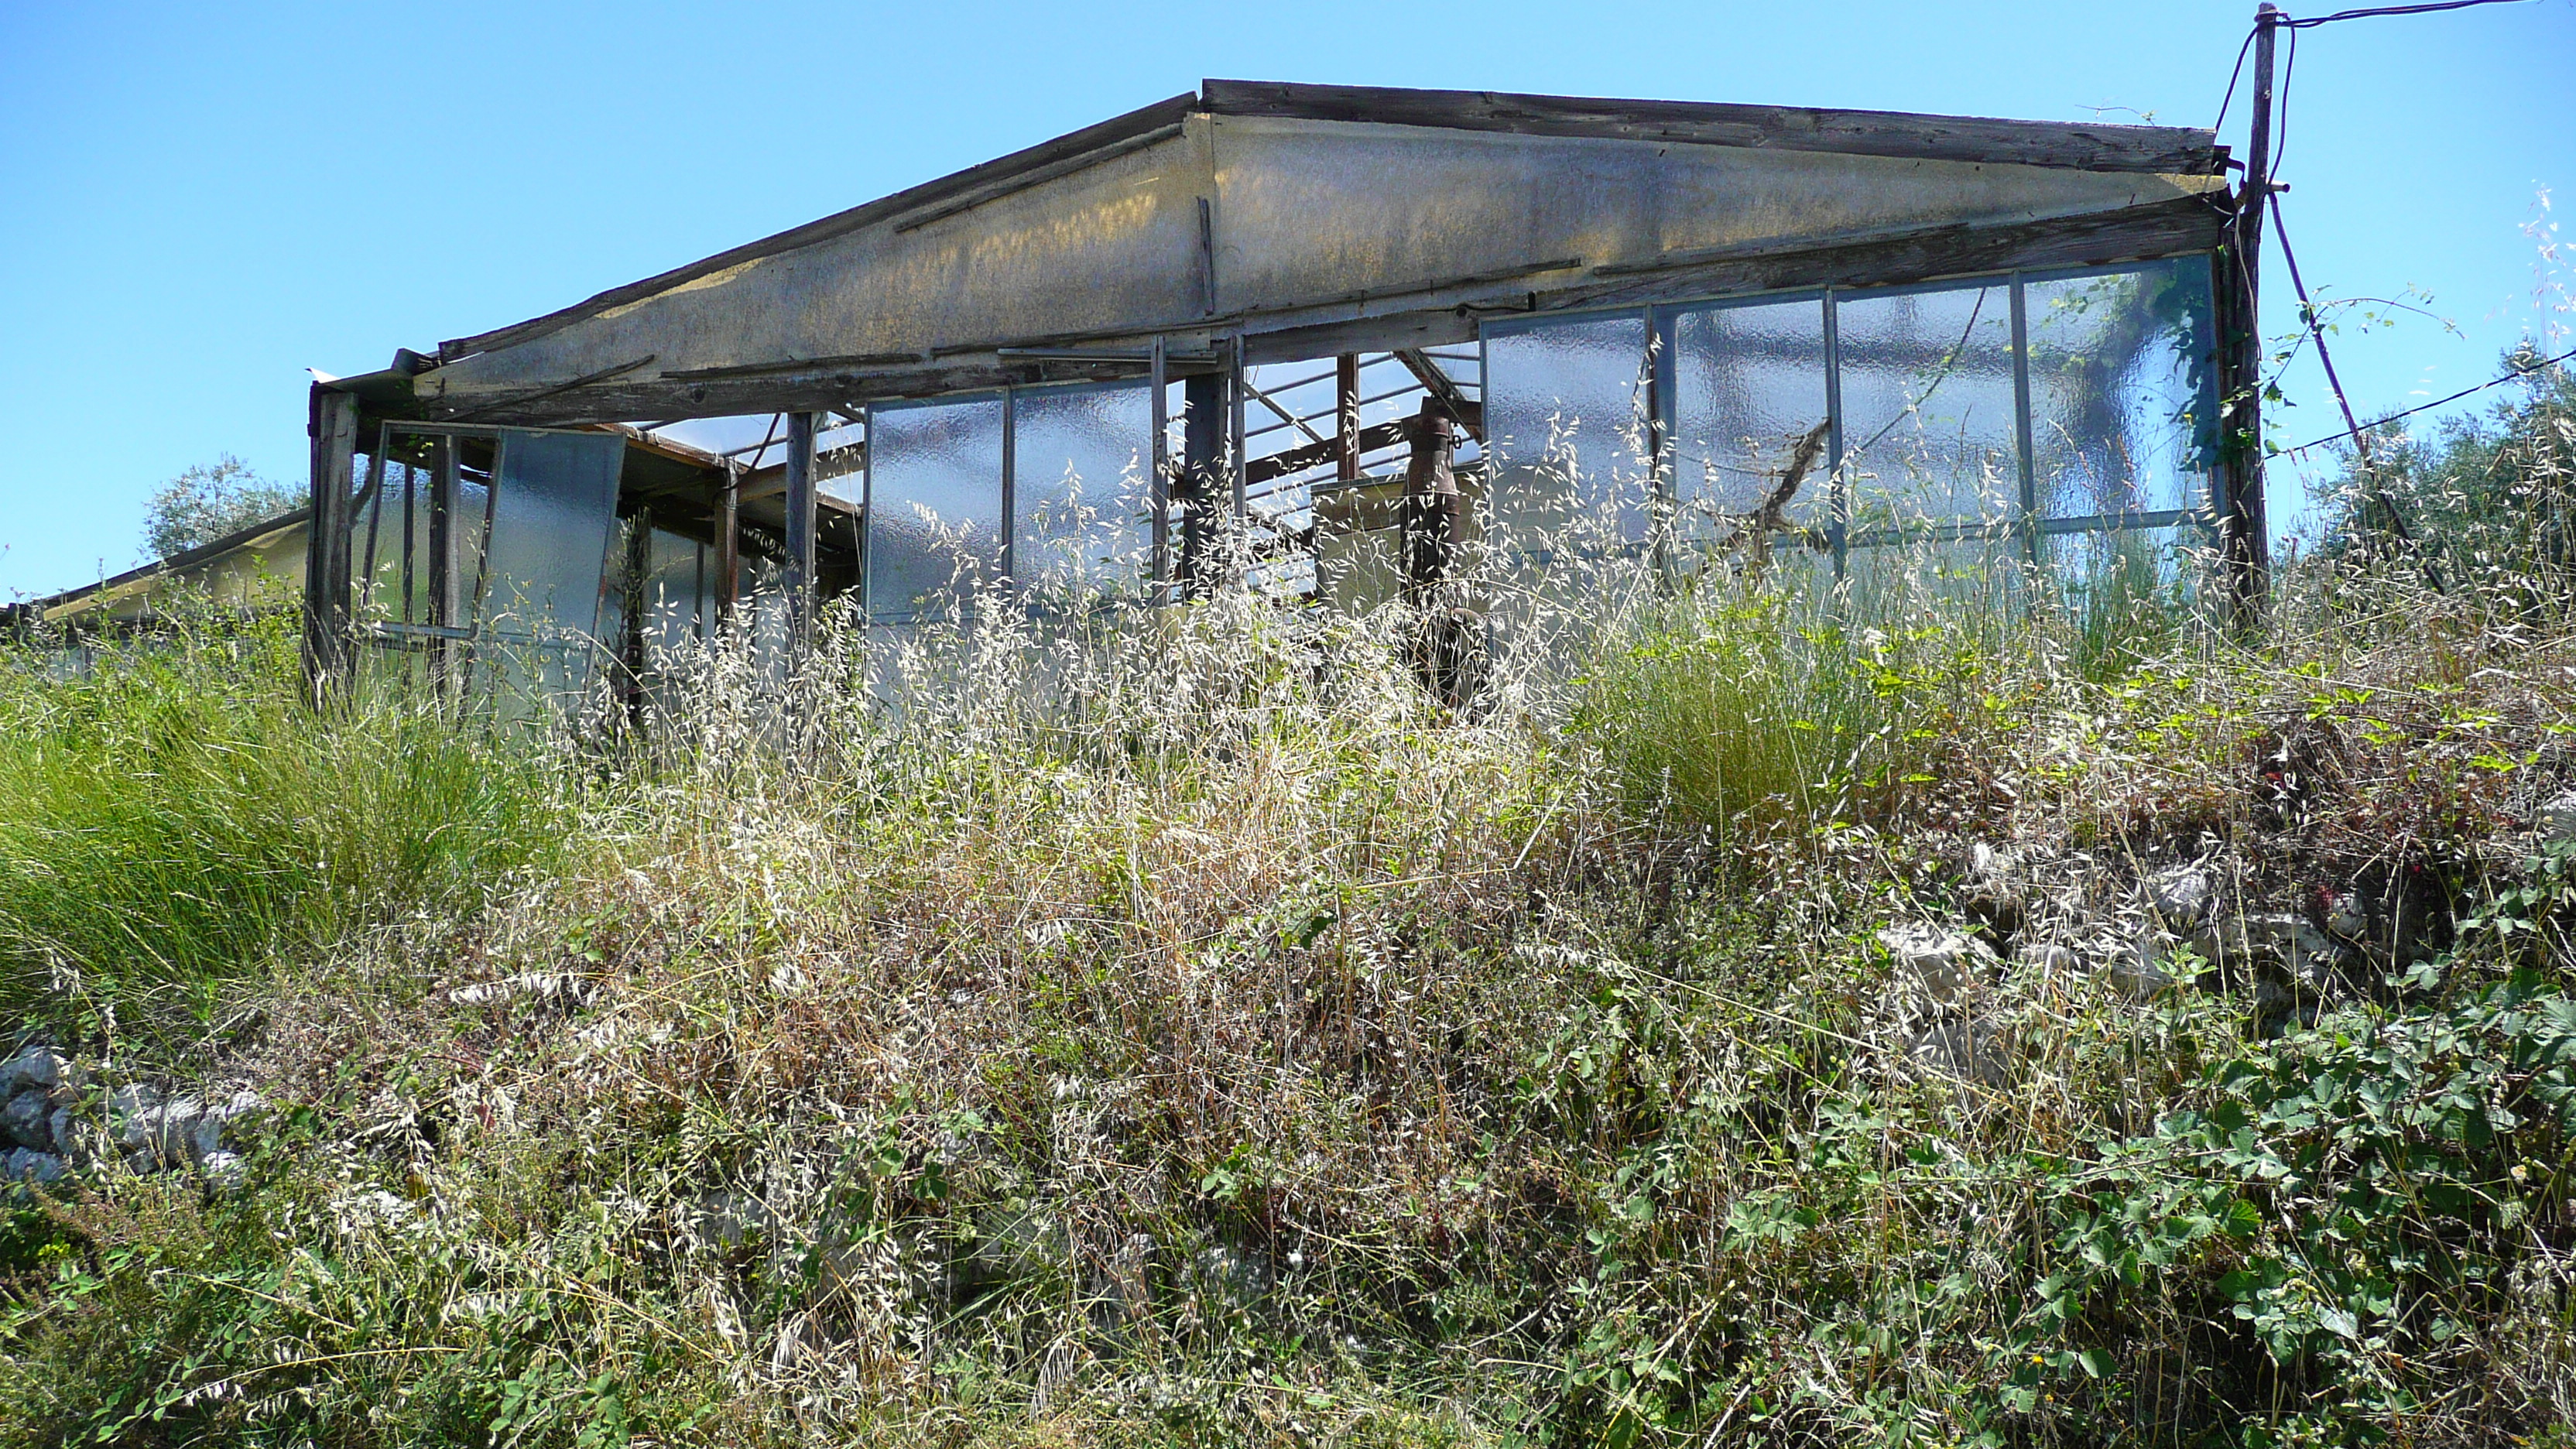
(2243, 533)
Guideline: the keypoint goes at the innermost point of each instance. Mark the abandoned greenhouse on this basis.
(1350, 329)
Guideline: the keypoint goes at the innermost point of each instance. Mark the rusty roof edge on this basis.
(2076, 146)
(1046, 153)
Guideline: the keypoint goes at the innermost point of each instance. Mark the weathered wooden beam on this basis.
(2179, 227)
(2168, 150)
(1309, 455)
(798, 577)
(1465, 411)
(333, 429)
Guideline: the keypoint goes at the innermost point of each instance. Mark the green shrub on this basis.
(171, 814)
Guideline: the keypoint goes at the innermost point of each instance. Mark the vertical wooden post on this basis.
(1203, 452)
(333, 428)
(1159, 486)
(635, 637)
(443, 610)
(2244, 536)
(799, 572)
(1346, 416)
(729, 545)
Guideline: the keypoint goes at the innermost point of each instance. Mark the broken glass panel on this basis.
(1929, 423)
(1082, 523)
(2123, 389)
(1749, 386)
(934, 506)
(1565, 420)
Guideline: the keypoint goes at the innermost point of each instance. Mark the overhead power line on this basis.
(2516, 375)
(2316, 20)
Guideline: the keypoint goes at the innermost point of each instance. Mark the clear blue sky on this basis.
(197, 202)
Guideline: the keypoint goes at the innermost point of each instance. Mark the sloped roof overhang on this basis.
(1305, 220)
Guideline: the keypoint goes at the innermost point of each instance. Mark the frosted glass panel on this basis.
(1748, 384)
(1082, 506)
(934, 506)
(553, 513)
(2124, 389)
(679, 573)
(1928, 414)
(1564, 413)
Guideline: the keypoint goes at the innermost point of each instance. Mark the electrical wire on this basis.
(2360, 440)
(2233, 77)
(2281, 111)
(2516, 375)
(2317, 20)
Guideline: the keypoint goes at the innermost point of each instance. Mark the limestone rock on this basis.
(2138, 969)
(2048, 957)
(40, 1068)
(225, 1171)
(1970, 1050)
(2555, 818)
(2184, 898)
(27, 1165)
(1941, 962)
(27, 1120)
(153, 1133)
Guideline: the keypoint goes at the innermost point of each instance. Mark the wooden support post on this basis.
(729, 546)
(1160, 492)
(637, 633)
(1197, 488)
(333, 428)
(798, 577)
(1346, 415)
(444, 612)
(2244, 538)
(1433, 519)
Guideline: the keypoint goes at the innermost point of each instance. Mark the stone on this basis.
(2305, 954)
(2184, 898)
(27, 1120)
(1991, 889)
(2555, 818)
(207, 1134)
(2138, 971)
(225, 1171)
(37, 1067)
(1237, 1279)
(2271, 999)
(27, 1165)
(537, 988)
(1970, 1050)
(1943, 963)
(2048, 957)
(64, 1127)
(153, 1133)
